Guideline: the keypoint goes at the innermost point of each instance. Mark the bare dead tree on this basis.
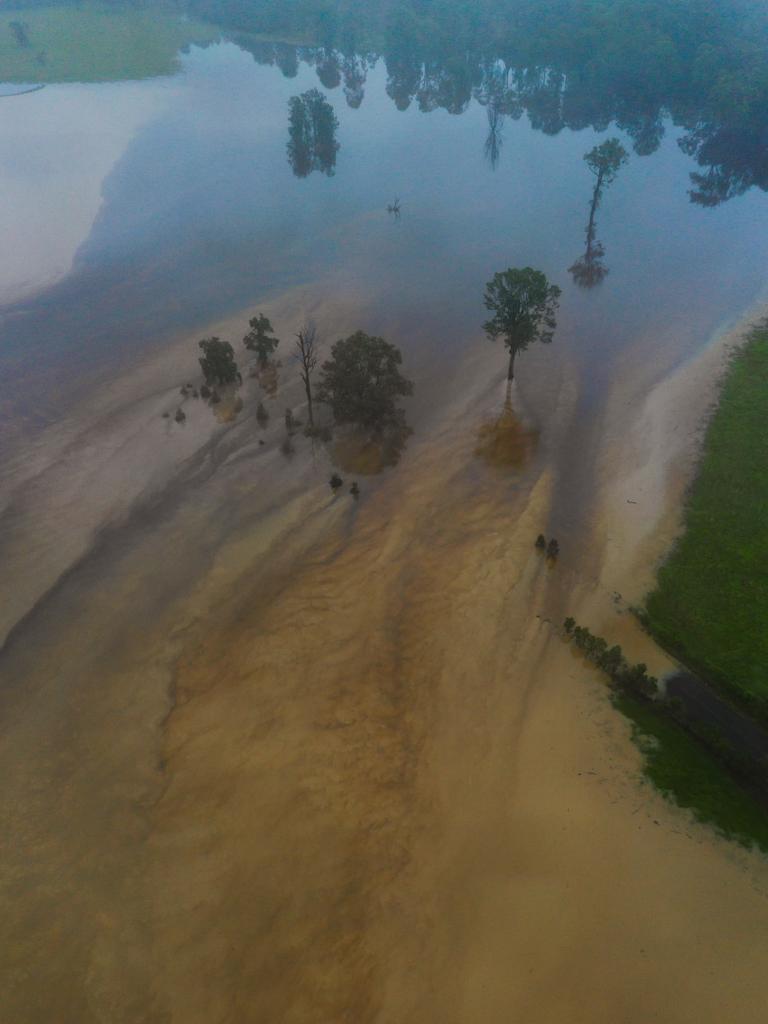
(307, 342)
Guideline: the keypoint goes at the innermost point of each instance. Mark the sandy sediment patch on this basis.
(120, 448)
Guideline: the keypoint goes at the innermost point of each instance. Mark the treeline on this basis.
(611, 660)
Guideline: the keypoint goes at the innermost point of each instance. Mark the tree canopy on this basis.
(524, 307)
(218, 361)
(260, 339)
(362, 382)
(606, 160)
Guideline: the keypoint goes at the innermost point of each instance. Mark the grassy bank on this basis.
(91, 43)
(692, 763)
(688, 774)
(711, 603)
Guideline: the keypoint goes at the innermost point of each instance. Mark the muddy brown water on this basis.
(271, 754)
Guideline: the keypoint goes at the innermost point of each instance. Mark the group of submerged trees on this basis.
(361, 382)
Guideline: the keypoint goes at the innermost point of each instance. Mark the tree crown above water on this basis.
(362, 382)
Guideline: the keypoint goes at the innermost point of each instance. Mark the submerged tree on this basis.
(218, 361)
(260, 339)
(362, 382)
(605, 161)
(306, 352)
(524, 307)
(312, 125)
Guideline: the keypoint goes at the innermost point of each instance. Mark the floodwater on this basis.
(273, 754)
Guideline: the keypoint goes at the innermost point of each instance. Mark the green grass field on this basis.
(687, 774)
(91, 43)
(711, 603)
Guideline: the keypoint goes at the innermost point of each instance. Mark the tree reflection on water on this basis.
(566, 65)
(312, 125)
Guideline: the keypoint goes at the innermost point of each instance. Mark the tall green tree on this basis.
(362, 382)
(524, 307)
(605, 161)
(218, 361)
(260, 339)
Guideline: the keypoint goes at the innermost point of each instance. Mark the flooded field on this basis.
(274, 752)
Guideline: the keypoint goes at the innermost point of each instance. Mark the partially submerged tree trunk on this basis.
(306, 353)
(511, 371)
(596, 195)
